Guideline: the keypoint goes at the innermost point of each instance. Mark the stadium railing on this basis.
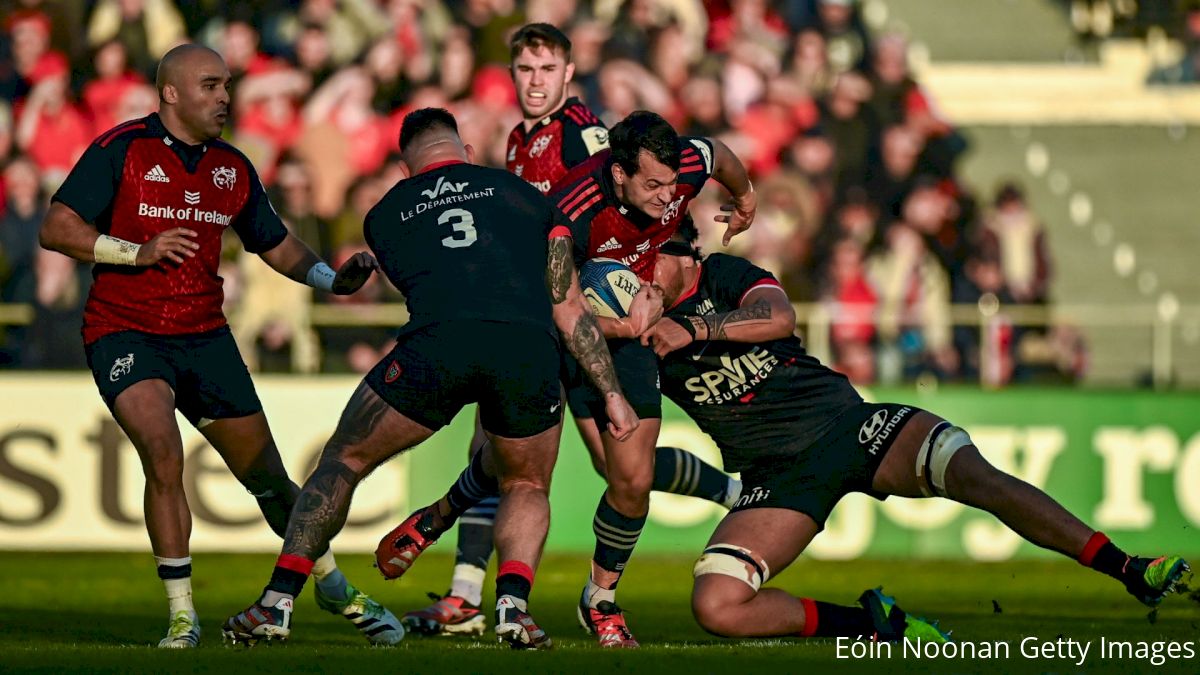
(817, 321)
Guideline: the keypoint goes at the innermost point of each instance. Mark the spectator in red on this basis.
(747, 19)
(344, 103)
(51, 129)
(852, 303)
(268, 114)
(32, 57)
(114, 80)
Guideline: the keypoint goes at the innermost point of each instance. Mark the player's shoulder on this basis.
(577, 113)
(225, 147)
(591, 170)
(125, 132)
(722, 266)
(580, 194)
(697, 154)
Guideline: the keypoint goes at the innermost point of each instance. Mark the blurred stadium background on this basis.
(987, 208)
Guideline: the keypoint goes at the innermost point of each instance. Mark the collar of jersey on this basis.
(172, 139)
(437, 165)
(691, 291)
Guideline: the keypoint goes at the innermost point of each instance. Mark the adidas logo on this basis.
(190, 197)
(157, 175)
(609, 245)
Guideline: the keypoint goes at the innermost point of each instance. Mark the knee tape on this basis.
(938, 447)
(733, 561)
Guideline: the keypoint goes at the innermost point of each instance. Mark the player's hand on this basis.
(354, 273)
(622, 421)
(738, 215)
(174, 244)
(645, 309)
(666, 336)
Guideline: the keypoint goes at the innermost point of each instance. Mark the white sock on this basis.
(733, 491)
(324, 566)
(467, 583)
(179, 591)
(597, 594)
(329, 578)
(271, 598)
(519, 603)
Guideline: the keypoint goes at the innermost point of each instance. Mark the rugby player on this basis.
(623, 203)
(484, 298)
(803, 438)
(148, 202)
(558, 132)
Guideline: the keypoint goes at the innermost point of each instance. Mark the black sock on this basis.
(680, 472)
(475, 533)
(616, 535)
(275, 496)
(823, 619)
(1103, 556)
(473, 486)
(515, 579)
(290, 574)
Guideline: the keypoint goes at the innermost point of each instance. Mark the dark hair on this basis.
(538, 35)
(418, 122)
(644, 130)
(683, 242)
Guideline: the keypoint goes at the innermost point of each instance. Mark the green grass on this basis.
(104, 612)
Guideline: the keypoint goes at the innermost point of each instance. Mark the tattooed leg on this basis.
(369, 434)
(321, 510)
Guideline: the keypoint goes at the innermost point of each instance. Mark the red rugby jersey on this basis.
(604, 228)
(135, 181)
(555, 145)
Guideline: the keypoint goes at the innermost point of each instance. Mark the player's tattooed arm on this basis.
(765, 314)
(574, 319)
(560, 269)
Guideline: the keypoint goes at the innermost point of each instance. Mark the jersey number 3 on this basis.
(463, 224)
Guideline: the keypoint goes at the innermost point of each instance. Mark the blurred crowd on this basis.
(862, 212)
(1153, 20)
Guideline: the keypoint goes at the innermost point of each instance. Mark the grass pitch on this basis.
(103, 612)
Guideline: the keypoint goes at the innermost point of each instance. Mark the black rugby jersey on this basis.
(466, 242)
(756, 400)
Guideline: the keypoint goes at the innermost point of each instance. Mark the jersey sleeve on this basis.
(91, 187)
(583, 135)
(732, 278)
(257, 224)
(696, 161)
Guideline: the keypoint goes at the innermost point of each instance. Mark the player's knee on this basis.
(727, 576)
(631, 485)
(711, 612)
(941, 445)
(537, 484)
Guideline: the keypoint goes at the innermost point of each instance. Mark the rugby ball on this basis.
(609, 286)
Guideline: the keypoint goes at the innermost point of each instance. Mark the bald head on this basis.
(183, 60)
(193, 92)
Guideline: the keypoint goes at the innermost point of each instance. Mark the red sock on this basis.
(811, 618)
